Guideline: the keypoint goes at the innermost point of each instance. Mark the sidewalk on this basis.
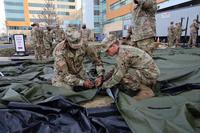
(30, 57)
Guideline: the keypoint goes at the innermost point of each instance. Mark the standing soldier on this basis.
(144, 24)
(35, 41)
(177, 32)
(58, 34)
(171, 35)
(193, 33)
(48, 42)
(41, 35)
(86, 34)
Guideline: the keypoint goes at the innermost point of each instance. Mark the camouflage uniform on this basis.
(41, 35)
(128, 40)
(193, 34)
(48, 42)
(36, 43)
(134, 68)
(86, 35)
(69, 68)
(171, 36)
(177, 32)
(58, 35)
(144, 25)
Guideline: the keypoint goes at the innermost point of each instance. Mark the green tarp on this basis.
(29, 82)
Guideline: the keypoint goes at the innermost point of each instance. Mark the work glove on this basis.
(88, 84)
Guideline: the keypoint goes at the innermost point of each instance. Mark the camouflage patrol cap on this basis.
(34, 24)
(108, 42)
(74, 39)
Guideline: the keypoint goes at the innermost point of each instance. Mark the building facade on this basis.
(21, 13)
(119, 17)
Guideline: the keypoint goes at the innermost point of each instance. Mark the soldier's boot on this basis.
(98, 101)
(145, 93)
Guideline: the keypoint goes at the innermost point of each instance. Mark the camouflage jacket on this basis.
(194, 28)
(58, 35)
(144, 20)
(69, 66)
(47, 38)
(178, 30)
(35, 34)
(86, 34)
(132, 58)
(171, 30)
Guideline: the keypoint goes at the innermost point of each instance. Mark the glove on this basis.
(88, 84)
(99, 81)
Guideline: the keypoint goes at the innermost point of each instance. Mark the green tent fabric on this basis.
(169, 114)
(30, 82)
(178, 66)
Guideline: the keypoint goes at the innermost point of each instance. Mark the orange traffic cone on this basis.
(158, 40)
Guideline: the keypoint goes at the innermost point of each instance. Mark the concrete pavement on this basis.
(4, 46)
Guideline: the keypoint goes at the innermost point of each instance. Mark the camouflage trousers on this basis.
(171, 41)
(147, 45)
(136, 77)
(192, 39)
(177, 40)
(48, 50)
(38, 52)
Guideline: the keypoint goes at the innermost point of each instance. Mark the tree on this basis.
(48, 14)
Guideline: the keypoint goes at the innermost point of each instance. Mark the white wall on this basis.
(88, 13)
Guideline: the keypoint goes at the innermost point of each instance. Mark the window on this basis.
(96, 2)
(71, 7)
(15, 19)
(96, 24)
(66, 0)
(119, 4)
(96, 12)
(17, 28)
(36, 5)
(14, 3)
(14, 11)
(63, 6)
(63, 13)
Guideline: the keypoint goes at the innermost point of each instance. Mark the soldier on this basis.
(128, 39)
(35, 41)
(171, 35)
(135, 70)
(144, 24)
(86, 34)
(58, 34)
(69, 69)
(48, 42)
(193, 33)
(177, 32)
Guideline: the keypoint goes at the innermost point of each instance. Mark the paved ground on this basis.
(4, 46)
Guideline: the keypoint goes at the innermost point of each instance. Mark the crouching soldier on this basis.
(135, 70)
(69, 68)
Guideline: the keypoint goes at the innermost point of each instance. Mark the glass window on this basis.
(71, 7)
(96, 12)
(96, 2)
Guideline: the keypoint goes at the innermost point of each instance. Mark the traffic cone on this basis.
(158, 40)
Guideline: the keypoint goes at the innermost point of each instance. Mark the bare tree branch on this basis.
(48, 14)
